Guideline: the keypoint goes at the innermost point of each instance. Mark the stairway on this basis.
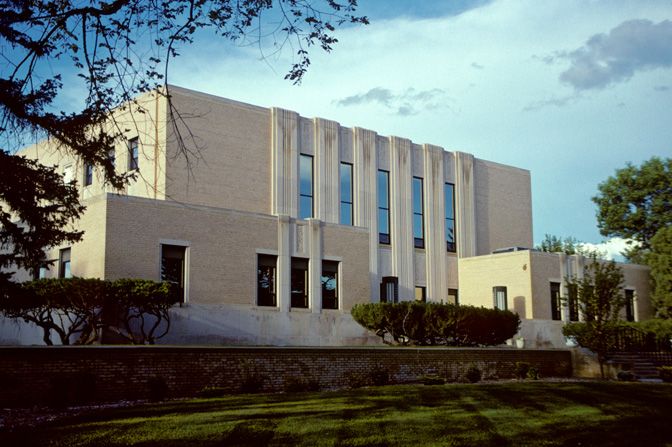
(643, 367)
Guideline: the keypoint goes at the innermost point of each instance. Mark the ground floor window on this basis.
(173, 266)
(64, 263)
(266, 280)
(555, 301)
(499, 297)
(329, 280)
(573, 302)
(299, 283)
(629, 305)
(389, 289)
(420, 293)
(453, 297)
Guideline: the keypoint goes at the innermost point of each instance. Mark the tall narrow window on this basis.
(389, 289)
(173, 266)
(305, 186)
(499, 297)
(383, 207)
(88, 174)
(573, 302)
(133, 154)
(453, 297)
(346, 194)
(266, 280)
(112, 157)
(418, 214)
(629, 305)
(555, 301)
(329, 280)
(420, 294)
(300, 283)
(64, 263)
(449, 198)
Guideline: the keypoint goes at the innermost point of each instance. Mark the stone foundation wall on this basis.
(64, 375)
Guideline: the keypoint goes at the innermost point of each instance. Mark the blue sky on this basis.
(571, 90)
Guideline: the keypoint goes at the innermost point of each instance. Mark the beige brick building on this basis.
(276, 224)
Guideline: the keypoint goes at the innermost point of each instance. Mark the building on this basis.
(275, 225)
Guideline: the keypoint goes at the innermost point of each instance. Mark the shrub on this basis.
(521, 370)
(297, 385)
(252, 383)
(665, 373)
(473, 374)
(411, 322)
(626, 376)
(533, 373)
(379, 376)
(157, 388)
(212, 391)
(432, 379)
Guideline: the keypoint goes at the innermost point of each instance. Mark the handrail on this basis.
(630, 339)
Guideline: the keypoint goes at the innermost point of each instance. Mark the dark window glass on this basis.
(573, 302)
(173, 266)
(555, 301)
(420, 293)
(266, 280)
(629, 305)
(64, 263)
(453, 297)
(384, 207)
(499, 297)
(449, 198)
(112, 156)
(346, 194)
(389, 289)
(329, 280)
(418, 214)
(88, 174)
(305, 186)
(133, 154)
(299, 283)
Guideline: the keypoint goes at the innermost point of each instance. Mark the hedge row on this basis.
(417, 323)
(83, 310)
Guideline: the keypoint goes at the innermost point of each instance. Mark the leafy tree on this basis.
(555, 244)
(600, 299)
(660, 261)
(118, 49)
(636, 203)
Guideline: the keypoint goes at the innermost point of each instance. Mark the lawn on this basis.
(497, 414)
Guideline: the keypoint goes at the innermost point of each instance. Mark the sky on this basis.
(570, 90)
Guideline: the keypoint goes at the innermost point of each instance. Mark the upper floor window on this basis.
(299, 283)
(133, 154)
(499, 297)
(329, 281)
(88, 174)
(346, 193)
(449, 198)
(418, 217)
(555, 301)
(266, 280)
(629, 305)
(305, 186)
(383, 207)
(64, 263)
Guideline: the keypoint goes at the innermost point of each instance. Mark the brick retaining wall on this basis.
(68, 374)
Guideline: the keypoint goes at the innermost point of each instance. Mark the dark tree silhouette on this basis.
(119, 49)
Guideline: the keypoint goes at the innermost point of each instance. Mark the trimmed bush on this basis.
(522, 368)
(412, 322)
(473, 374)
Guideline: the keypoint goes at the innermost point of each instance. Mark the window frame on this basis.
(332, 267)
(389, 283)
(65, 265)
(629, 304)
(423, 294)
(133, 154)
(495, 296)
(344, 203)
(451, 246)
(556, 300)
(384, 238)
(184, 279)
(311, 196)
(88, 174)
(270, 261)
(297, 265)
(456, 294)
(418, 242)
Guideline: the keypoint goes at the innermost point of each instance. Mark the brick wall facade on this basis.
(30, 375)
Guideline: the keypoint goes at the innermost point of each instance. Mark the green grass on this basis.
(512, 413)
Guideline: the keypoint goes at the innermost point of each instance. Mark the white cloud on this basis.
(610, 249)
(632, 46)
(408, 102)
